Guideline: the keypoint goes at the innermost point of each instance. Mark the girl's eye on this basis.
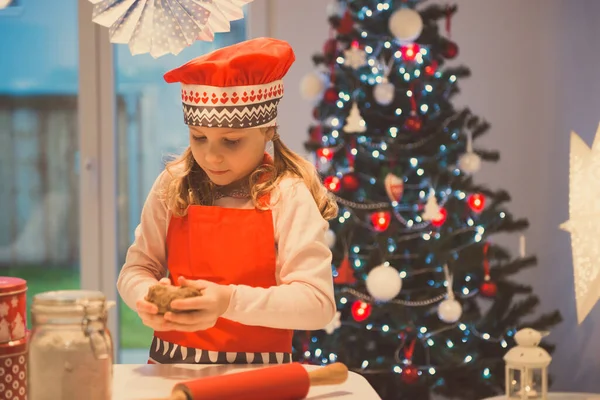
(231, 142)
(199, 138)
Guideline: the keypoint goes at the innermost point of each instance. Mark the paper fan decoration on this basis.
(161, 27)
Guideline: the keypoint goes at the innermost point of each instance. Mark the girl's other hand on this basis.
(201, 312)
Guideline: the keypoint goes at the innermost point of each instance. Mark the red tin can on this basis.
(13, 309)
(13, 370)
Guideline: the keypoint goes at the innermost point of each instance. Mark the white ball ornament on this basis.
(312, 85)
(406, 24)
(449, 311)
(384, 282)
(330, 238)
(384, 92)
(335, 9)
(469, 162)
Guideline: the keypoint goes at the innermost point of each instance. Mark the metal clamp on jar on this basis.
(71, 350)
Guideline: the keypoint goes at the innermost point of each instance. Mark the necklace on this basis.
(236, 190)
(239, 193)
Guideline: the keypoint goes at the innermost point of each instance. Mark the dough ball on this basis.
(163, 295)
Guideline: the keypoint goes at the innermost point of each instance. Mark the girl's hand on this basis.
(203, 311)
(148, 313)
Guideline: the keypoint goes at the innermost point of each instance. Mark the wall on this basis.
(534, 80)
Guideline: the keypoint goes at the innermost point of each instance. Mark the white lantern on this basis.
(527, 367)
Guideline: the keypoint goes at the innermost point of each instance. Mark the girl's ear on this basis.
(269, 132)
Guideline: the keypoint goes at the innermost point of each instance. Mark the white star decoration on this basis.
(584, 221)
(161, 27)
(4, 309)
(334, 324)
(14, 302)
(354, 57)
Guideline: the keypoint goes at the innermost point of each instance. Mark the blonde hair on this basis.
(189, 184)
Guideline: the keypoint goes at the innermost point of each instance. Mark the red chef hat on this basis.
(238, 86)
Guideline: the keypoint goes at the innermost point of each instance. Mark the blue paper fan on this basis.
(161, 27)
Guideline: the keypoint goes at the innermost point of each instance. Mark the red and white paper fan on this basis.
(161, 27)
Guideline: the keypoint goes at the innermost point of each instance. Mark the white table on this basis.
(561, 396)
(148, 382)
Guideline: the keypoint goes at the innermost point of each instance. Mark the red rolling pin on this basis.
(282, 382)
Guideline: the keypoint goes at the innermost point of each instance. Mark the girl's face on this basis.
(226, 154)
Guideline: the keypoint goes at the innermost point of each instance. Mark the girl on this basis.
(246, 229)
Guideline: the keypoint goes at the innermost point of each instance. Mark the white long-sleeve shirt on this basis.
(303, 298)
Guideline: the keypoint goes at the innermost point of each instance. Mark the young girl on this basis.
(246, 229)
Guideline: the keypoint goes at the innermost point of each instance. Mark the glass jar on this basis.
(70, 350)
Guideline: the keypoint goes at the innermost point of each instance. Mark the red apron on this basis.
(225, 246)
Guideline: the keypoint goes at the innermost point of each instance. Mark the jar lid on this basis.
(80, 302)
(69, 297)
(13, 347)
(12, 284)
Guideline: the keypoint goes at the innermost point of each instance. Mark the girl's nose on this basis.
(213, 156)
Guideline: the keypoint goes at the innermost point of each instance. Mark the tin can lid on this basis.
(11, 284)
(14, 347)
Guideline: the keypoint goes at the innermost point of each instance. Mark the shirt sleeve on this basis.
(145, 262)
(304, 298)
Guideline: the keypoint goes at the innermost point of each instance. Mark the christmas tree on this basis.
(428, 301)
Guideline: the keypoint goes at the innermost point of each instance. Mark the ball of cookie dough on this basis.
(163, 295)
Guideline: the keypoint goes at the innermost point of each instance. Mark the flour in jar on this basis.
(62, 365)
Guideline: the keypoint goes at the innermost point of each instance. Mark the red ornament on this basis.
(316, 134)
(332, 183)
(476, 202)
(410, 51)
(439, 221)
(331, 95)
(410, 374)
(431, 68)
(413, 123)
(325, 153)
(350, 182)
(316, 113)
(330, 48)
(381, 220)
(345, 273)
(346, 24)
(450, 50)
(361, 310)
(488, 288)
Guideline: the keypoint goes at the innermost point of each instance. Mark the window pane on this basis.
(150, 129)
(39, 180)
